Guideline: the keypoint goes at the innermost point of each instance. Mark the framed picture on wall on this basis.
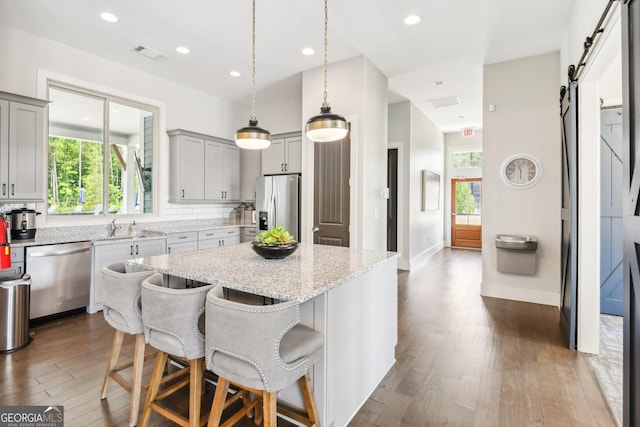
(430, 191)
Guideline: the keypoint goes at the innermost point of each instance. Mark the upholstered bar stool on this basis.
(260, 348)
(174, 325)
(121, 309)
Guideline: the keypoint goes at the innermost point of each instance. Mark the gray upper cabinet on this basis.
(21, 147)
(284, 155)
(202, 168)
(250, 172)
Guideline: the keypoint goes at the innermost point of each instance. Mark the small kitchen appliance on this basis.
(5, 249)
(23, 223)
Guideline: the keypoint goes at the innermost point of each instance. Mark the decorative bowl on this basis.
(274, 251)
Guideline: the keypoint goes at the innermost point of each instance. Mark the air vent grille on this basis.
(148, 52)
(444, 102)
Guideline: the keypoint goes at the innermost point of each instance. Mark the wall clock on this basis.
(521, 171)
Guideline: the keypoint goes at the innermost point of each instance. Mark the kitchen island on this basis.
(348, 295)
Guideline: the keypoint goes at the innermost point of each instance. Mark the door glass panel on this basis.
(468, 203)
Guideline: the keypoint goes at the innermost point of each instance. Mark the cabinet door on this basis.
(25, 151)
(144, 248)
(176, 248)
(231, 167)
(4, 148)
(209, 243)
(233, 240)
(104, 255)
(192, 163)
(273, 158)
(213, 171)
(293, 163)
(250, 172)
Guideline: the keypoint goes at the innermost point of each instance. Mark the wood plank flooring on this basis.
(462, 360)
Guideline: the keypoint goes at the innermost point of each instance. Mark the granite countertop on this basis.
(308, 272)
(100, 234)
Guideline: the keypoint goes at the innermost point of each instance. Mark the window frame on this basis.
(463, 149)
(107, 99)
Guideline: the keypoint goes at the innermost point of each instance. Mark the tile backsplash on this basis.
(174, 211)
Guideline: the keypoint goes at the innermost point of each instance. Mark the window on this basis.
(466, 159)
(100, 154)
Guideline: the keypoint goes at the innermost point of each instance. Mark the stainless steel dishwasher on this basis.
(61, 277)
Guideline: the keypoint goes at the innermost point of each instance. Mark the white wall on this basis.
(454, 142)
(27, 60)
(422, 148)
(278, 107)
(526, 120)
(357, 90)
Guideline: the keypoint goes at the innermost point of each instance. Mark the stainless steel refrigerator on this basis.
(278, 203)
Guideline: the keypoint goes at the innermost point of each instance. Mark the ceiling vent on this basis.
(444, 102)
(149, 53)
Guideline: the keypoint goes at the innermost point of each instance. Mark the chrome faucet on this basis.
(114, 227)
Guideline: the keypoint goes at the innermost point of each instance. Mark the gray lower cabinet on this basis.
(182, 242)
(105, 254)
(248, 234)
(218, 237)
(21, 147)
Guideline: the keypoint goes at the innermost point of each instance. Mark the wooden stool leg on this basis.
(270, 408)
(154, 385)
(218, 402)
(309, 400)
(113, 360)
(136, 381)
(195, 391)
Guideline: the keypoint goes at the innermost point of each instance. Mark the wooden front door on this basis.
(631, 209)
(611, 230)
(331, 189)
(466, 219)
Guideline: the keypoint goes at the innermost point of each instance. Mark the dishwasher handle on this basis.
(59, 253)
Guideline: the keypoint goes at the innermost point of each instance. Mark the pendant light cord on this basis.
(325, 105)
(253, 65)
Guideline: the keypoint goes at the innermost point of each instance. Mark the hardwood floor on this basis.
(466, 360)
(462, 360)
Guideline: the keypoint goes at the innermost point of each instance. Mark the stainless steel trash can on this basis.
(14, 313)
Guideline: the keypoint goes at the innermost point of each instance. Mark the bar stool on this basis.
(174, 325)
(121, 309)
(260, 348)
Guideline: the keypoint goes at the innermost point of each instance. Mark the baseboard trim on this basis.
(422, 257)
(520, 294)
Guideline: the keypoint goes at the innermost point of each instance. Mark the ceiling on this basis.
(451, 44)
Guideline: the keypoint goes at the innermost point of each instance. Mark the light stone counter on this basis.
(308, 272)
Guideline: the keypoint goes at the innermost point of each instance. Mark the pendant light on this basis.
(326, 126)
(253, 137)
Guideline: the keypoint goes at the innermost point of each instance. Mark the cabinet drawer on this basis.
(176, 248)
(17, 255)
(218, 233)
(188, 236)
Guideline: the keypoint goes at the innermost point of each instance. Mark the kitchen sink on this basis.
(136, 235)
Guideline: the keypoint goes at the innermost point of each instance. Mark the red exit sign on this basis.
(467, 132)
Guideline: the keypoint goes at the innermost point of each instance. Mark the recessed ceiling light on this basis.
(182, 49)
(109, 17)
(439, 82)
(308, 51)
(234, 73)
(412, 19)
(461, 117)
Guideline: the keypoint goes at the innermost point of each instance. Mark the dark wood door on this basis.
(569, 213)
(331, 189)
(631, 209)
(466, 218)
(611, 230)
(392, 201)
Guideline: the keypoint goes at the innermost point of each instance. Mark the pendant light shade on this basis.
(326, 126)
(253, 137)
